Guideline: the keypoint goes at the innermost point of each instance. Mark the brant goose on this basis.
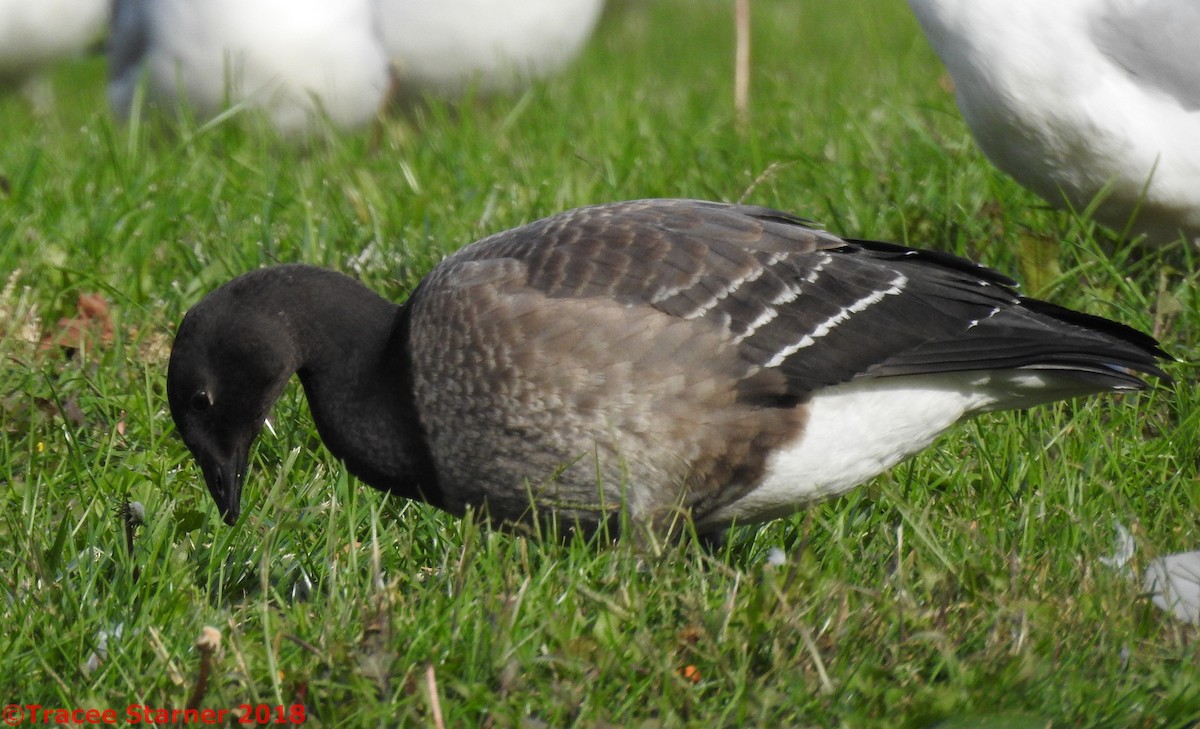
(1082, 100)
(665, 356)
(297, 60)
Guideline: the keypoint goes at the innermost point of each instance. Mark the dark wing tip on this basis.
(1131, 349)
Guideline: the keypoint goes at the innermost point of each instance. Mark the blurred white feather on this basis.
(1174, 584)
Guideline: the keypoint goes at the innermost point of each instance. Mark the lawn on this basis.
(965, 588)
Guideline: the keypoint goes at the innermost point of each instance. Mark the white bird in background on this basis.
(1082, 100)
(35, 33)
(297, 60)
(444, 47)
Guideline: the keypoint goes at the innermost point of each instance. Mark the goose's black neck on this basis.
(352, 356)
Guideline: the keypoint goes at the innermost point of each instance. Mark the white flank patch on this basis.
(860, 429)
(897, 285)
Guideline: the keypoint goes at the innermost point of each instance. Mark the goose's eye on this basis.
(201, 401)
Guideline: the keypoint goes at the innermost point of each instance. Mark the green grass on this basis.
(961, 588)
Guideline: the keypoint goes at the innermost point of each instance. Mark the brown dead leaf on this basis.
(91, 328)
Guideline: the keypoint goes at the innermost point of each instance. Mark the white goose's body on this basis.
(35, 33)
(297, 60)
(1083, 99)
(448, 46)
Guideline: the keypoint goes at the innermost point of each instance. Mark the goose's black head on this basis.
(233, 355)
